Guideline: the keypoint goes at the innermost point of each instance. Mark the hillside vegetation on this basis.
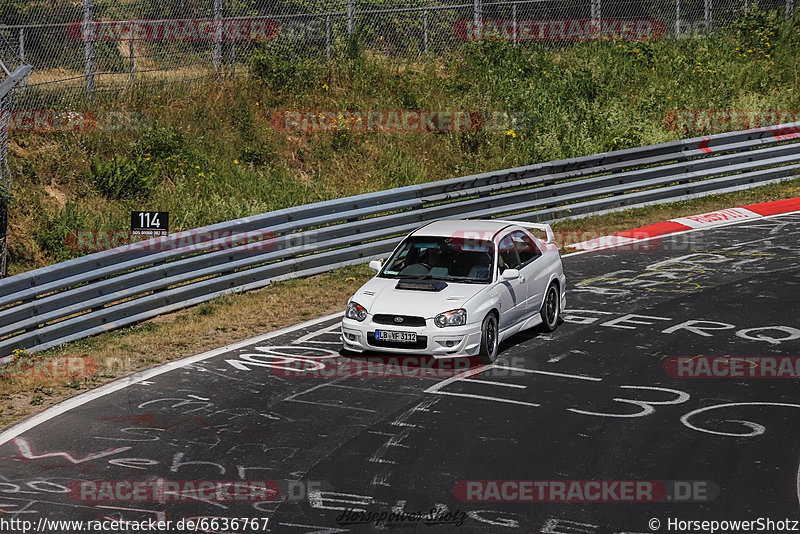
(207, 151)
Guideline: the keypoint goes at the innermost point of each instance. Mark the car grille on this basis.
(421, 343)
(408, 320)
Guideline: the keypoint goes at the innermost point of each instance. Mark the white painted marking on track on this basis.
(308, 337)
(137, 378)
(798, 483)
(485, 397)
(755, 428)
(376, 460)
(492, 382)
(743, 243)
(373, 390)
(333, 405)
(466, 374)
(551, 373)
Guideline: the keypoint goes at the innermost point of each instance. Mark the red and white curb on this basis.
(693, 222)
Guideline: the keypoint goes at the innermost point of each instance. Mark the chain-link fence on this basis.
(85, 47)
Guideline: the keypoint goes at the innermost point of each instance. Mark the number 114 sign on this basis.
(149, 223)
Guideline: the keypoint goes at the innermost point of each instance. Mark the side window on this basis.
(507, 254)
(526, 247)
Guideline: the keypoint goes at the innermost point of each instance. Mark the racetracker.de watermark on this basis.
(160, 490)
(232, 29)
(559, 30)
(72, 121)
(388, 121)
(585, 490)
(733, 367)
(376, 367)
(34, 366)
(724, 120)
(86, 241)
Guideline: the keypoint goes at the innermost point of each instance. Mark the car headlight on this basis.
(451, 318)
(356, 311)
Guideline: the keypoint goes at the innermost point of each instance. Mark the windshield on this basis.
(454, 259)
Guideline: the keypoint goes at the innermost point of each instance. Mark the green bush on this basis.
(160, 142)
(283, 69)
(121, 177)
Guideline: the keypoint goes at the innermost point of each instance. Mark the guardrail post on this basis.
(217, 52)
(88, 47)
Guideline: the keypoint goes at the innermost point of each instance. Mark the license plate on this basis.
(402, 337)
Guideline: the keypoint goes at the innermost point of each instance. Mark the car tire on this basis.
(551, 308)
(489, 336)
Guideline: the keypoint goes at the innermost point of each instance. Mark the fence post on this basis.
(217, 52)
(350, 9)
(132, 54)
(789, 8)
(425, 29)
(328, 36)
(595, 10)
(707, 14)
(677, 19)
(477, 7)
(22, 53)
(516, 28)
(88, 48)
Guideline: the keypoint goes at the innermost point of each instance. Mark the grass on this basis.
(207, 151)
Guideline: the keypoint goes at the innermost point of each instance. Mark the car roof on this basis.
(450, 227)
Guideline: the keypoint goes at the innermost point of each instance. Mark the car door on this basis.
(513, 293)
(531, 267)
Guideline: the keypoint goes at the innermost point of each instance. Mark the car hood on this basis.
(380, 295)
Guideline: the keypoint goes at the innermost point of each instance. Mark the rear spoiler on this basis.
(551, 237)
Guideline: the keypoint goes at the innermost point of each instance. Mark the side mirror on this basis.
(510, 274)
(375, 265)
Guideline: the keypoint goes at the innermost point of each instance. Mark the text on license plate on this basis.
(389, 335)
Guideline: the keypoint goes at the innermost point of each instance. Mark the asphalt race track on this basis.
(592, 401)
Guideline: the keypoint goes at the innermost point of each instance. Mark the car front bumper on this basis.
(447, 342)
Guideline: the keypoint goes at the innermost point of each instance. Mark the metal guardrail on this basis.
(114, 288)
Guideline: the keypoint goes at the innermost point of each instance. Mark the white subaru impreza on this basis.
(458, 288)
